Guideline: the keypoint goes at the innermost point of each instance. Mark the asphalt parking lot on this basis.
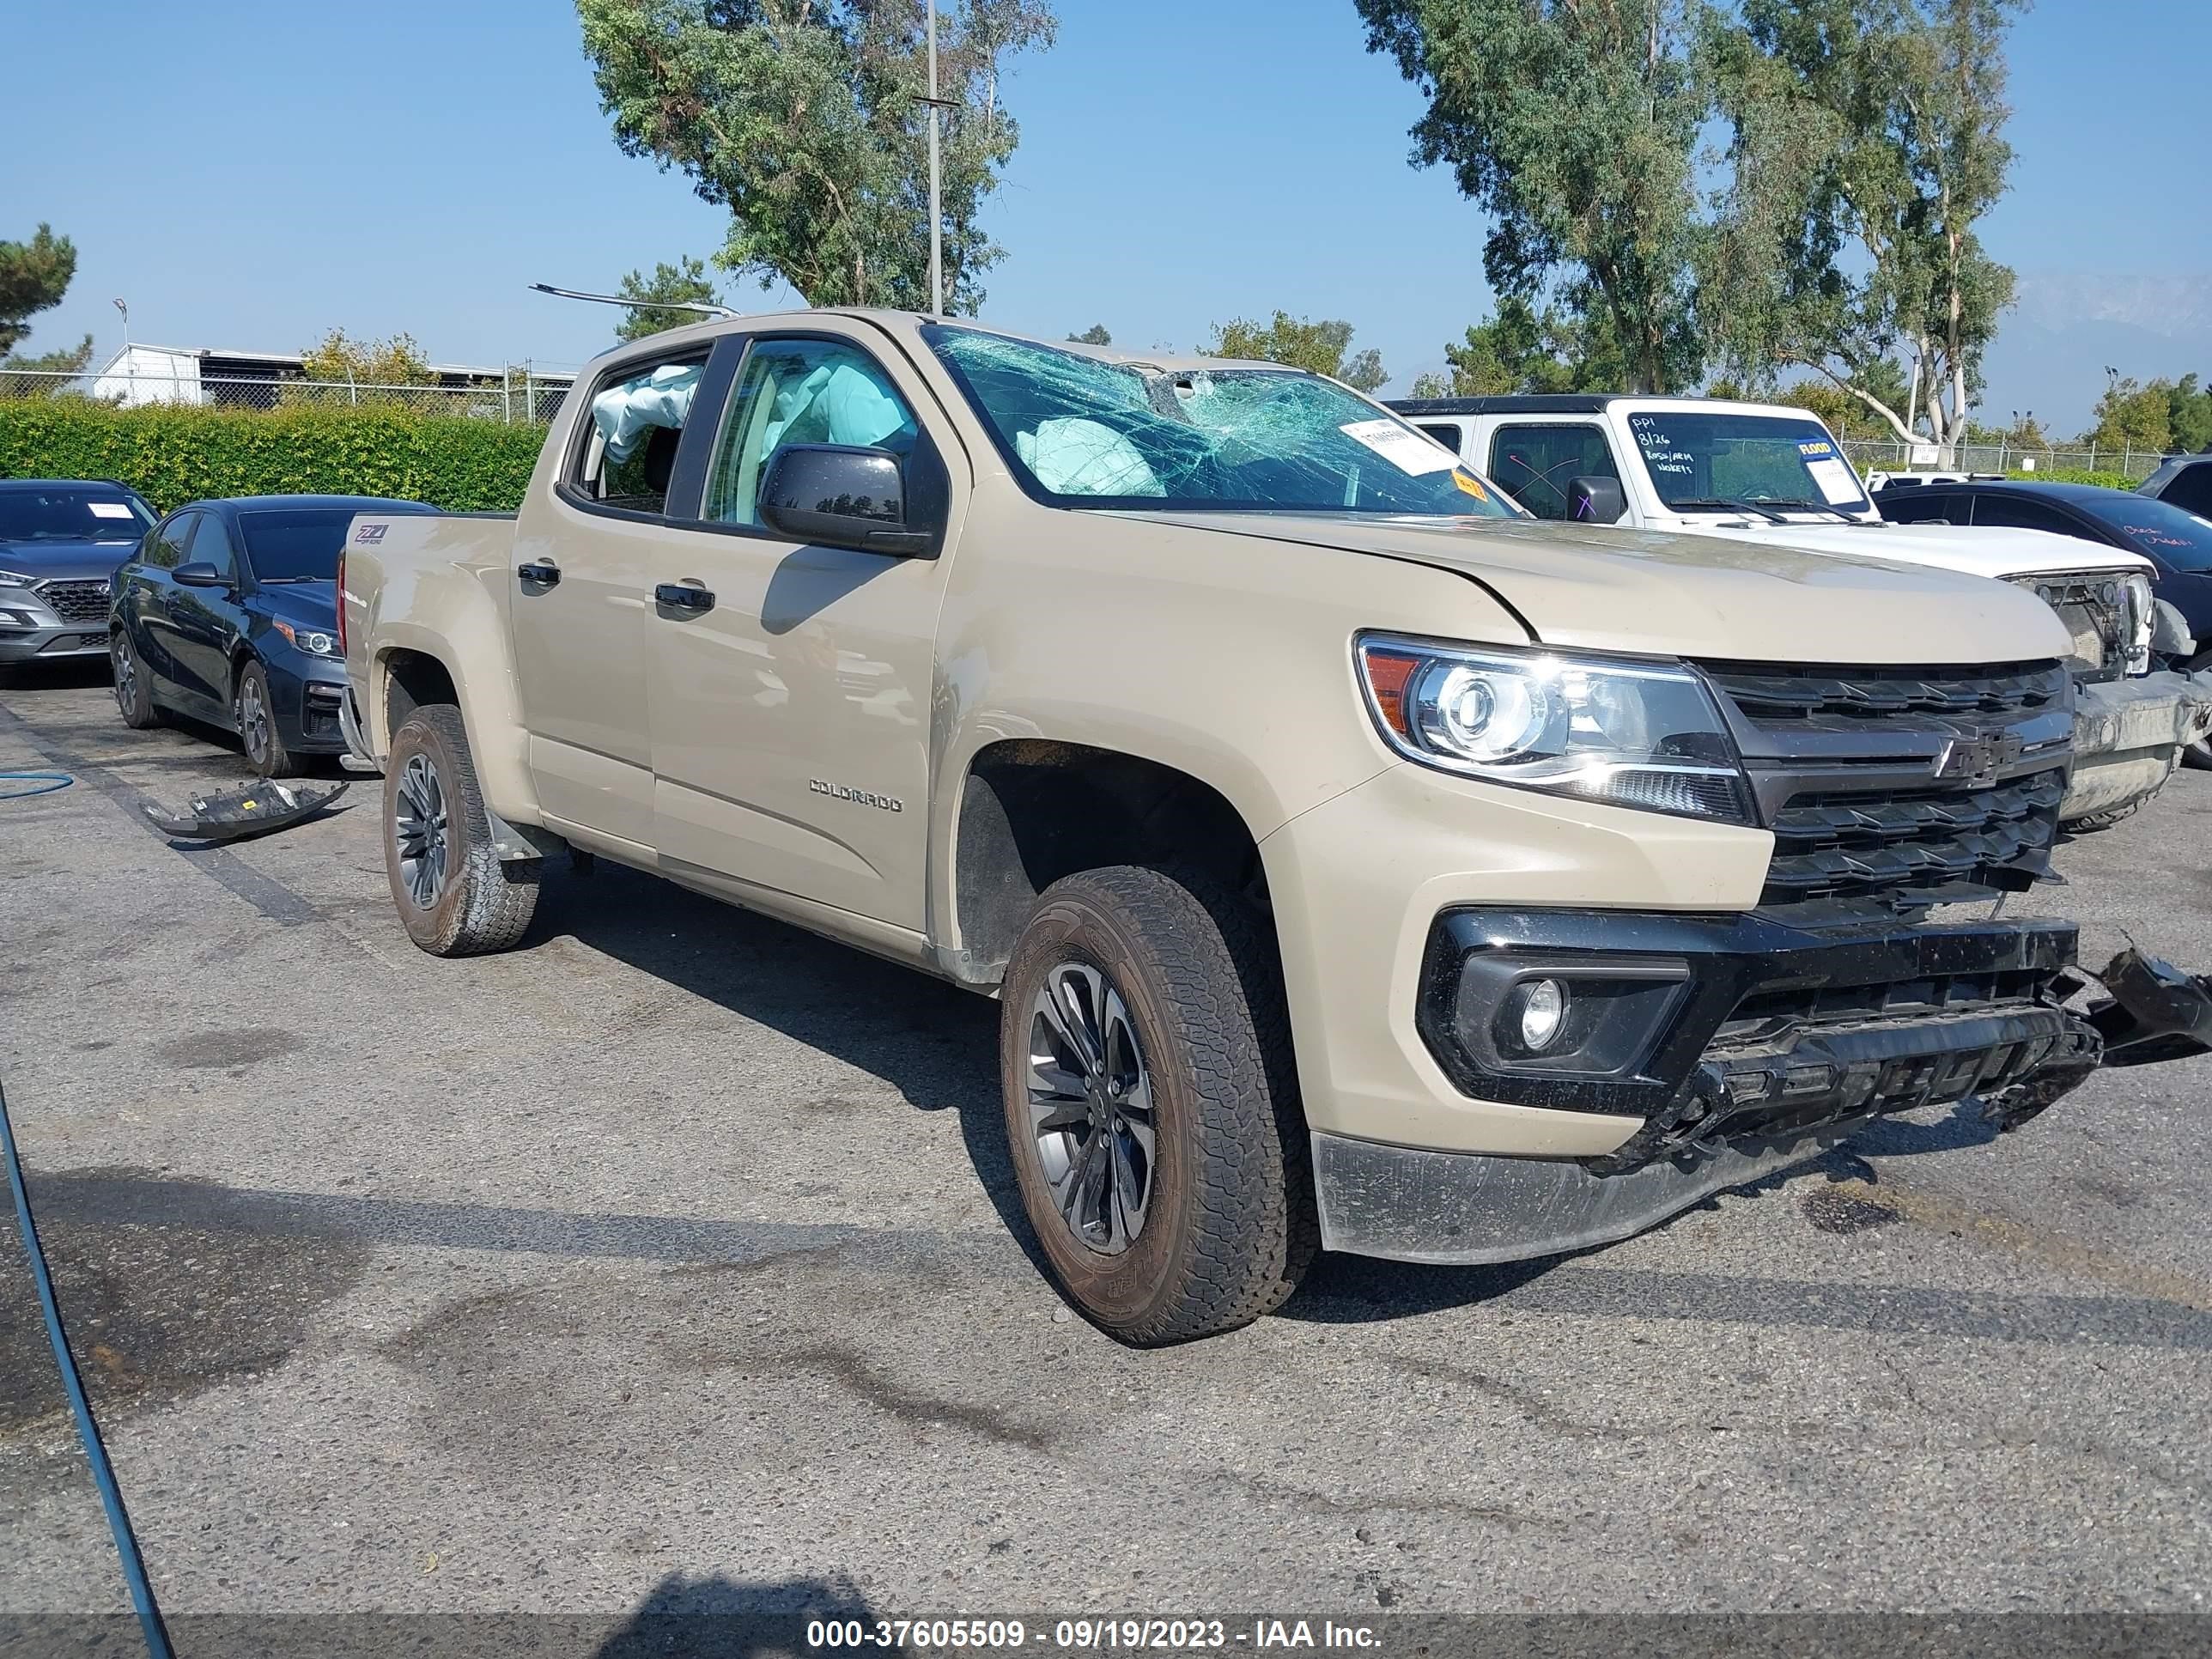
(673, 1261)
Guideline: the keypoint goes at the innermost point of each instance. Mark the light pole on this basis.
(936, 217)
(125, 310)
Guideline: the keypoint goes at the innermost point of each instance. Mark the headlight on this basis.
(2138, 620)
(14, 579)
(312, 640)
(1629, 734)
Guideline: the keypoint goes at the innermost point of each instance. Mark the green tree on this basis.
(2133, 416)
(1572, 122)
(1521, 349)
(1321, 347)
(33, 278)
(805, 120)
(2189, 414)
(680, 284)
(1094, 335)
(1868, 145)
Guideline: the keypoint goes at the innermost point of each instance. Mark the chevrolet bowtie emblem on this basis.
(1976, 761)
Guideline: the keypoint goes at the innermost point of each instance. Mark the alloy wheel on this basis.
(253, 718)
(126, 675)
(1091, 1108)
(418, 831)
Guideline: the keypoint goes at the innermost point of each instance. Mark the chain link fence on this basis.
(1871, 455)
(518, 396)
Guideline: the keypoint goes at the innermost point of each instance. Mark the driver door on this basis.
(790, 716)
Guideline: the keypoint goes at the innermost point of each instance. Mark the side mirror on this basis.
(837, 496)
(1595, 500)
(198, 573)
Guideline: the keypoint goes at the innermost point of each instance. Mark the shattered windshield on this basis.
(1701, 460)
(1083, 433)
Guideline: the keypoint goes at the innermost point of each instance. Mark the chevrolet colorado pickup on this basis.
(1767, 473)
(1359, 863)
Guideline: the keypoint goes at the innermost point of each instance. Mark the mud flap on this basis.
(235, 814)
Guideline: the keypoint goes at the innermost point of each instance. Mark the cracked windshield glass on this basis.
(1083, 433)
(1704, 461)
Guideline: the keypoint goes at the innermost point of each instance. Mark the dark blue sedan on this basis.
(228, 614)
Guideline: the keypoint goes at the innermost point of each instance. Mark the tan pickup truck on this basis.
(1360, 863)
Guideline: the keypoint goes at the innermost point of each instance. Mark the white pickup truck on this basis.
(1764, 473)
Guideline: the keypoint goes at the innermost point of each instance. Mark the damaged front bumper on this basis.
(1748, 1044)
(2128, 738)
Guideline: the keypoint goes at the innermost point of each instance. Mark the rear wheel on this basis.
(1152, 1104)
(134, 691)
(253, 710)
(455, 896)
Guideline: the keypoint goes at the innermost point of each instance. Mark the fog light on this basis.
(1543, 1011)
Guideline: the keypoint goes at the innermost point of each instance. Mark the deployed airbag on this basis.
(625, 413)
(1079, 456)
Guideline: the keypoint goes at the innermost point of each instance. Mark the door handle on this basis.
(543, 572)
(681, 596)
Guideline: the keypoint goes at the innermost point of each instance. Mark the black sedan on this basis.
(228, 614)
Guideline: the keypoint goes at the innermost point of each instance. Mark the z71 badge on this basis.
(865, 798)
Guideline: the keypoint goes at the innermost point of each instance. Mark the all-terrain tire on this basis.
(478, 903)
(134, 691)
(1230, 1225)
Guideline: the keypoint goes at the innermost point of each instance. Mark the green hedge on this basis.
(172, 454)
(2062, 475)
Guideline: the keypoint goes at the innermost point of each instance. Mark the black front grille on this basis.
(1910, 787)
(1848, 699)
(1840, 845)
(76, 602)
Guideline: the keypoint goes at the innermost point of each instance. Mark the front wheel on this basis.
(254, 712)
(1151, 1102)
(455, 896)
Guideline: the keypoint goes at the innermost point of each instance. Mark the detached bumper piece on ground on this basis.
(259, 809)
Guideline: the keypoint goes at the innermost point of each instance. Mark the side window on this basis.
(212, 546)
(631, 435)
(2192, 490)
(1446, 433)
(1917, 504)
(800, 391)
(164, 548)
(2013, 514)
(1532, 464)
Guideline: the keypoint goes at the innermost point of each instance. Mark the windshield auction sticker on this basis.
(1409, 451)
(108, 509)
(1829, 472)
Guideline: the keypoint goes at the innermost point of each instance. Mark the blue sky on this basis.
(249, 173)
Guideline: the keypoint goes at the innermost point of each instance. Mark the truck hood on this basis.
(1978, 549)
(1652, 593)
(48, 561)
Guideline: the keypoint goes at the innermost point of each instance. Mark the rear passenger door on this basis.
(1534, 461)
(143, 589)
(581, 591)
(791, 719)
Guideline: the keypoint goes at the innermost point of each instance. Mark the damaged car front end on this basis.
(1876, 976)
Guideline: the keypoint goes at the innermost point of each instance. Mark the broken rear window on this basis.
(1079, 432)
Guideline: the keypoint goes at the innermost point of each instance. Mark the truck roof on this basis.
(1552, 402)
